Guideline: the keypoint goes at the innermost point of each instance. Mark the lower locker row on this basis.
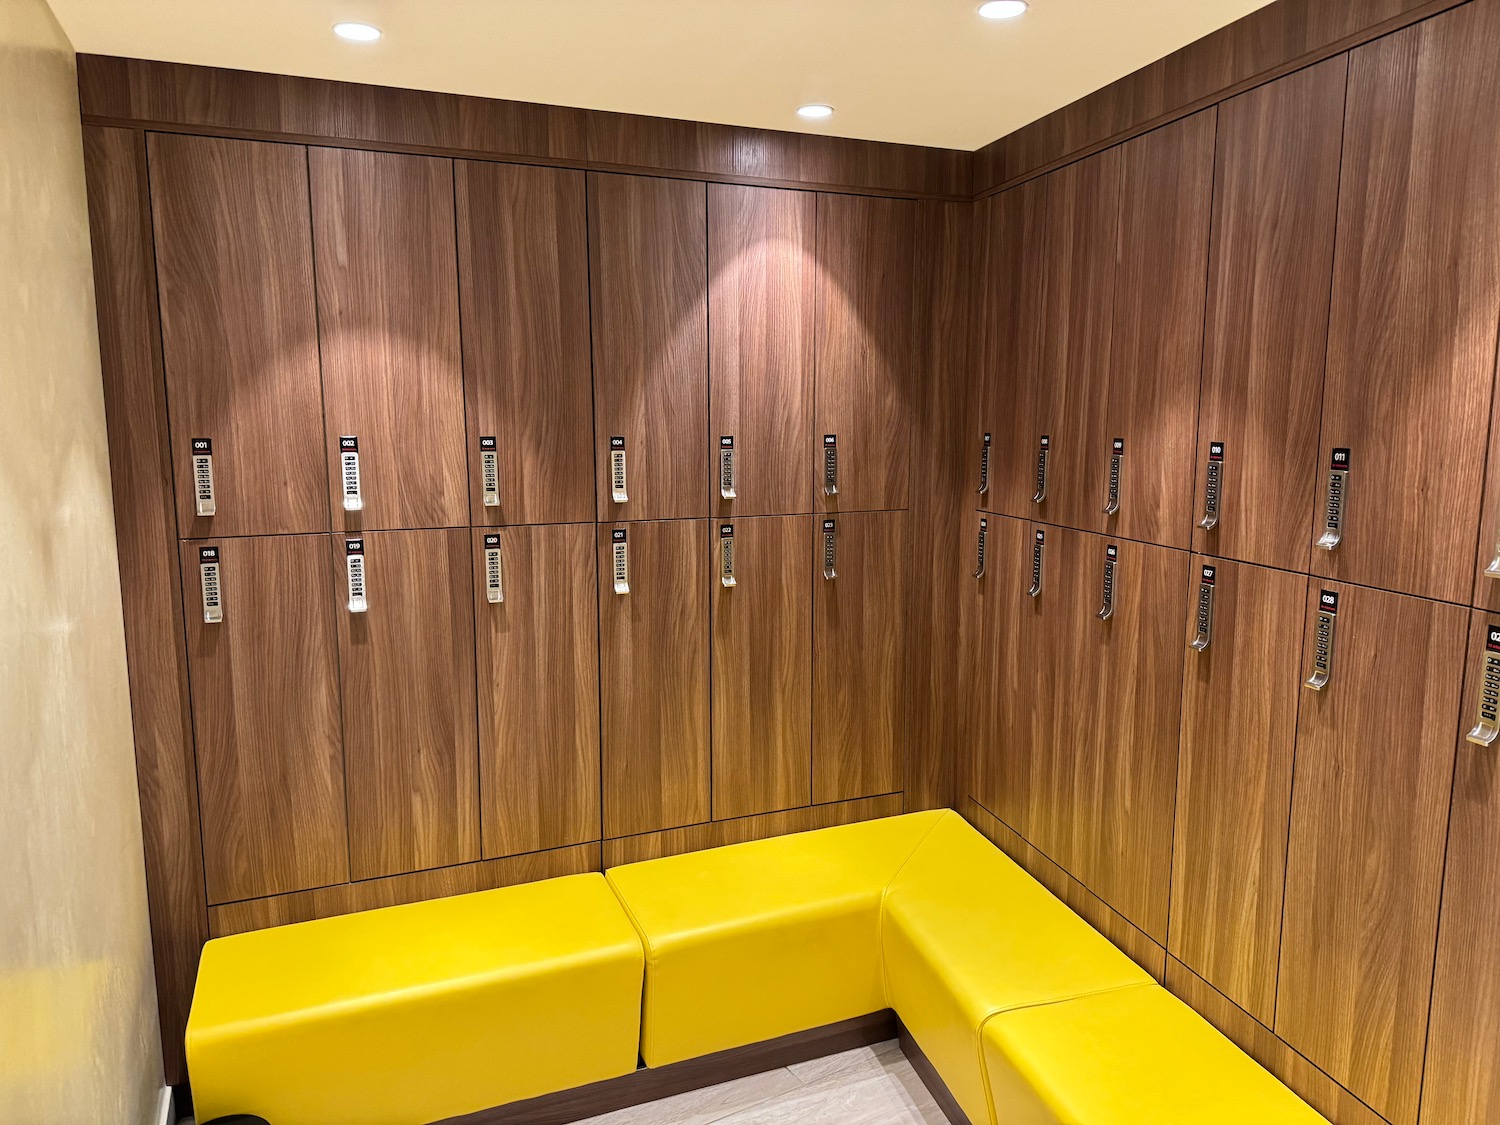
(459, 694)
(1254, 767)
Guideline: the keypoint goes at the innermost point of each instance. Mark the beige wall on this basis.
(78, 1032)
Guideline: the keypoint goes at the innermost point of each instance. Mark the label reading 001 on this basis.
(203, 476)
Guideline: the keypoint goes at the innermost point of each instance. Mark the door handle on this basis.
(1117, 454)
(1038, 544)
(489, 471)
(1334, 507)
(1205, 608)
(354, 499)
(830, 465)
(354, 568)
(1111, 560)
(984, 466)
(203, 476)
(617, 483)
(208, 577)
(494, 577)
(984, 532)
(726, 467)
(1328, 608)
(726, 555)
(1487, 725)
(1212, 487)
(1041, 469)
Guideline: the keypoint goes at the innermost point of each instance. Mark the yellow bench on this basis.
(415, 1013)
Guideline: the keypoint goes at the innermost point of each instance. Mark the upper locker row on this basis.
(360, 340)
(1229, 249)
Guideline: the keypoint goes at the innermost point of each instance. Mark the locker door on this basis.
(1275, 207)
(866, 349)
(1462, 1081)
(265, 694)
(1118, 836)
(1411, 348)
(648, 254)
(1365, 856)
(762, 665)
(654, 674)
(1156, 344)
(859, 632)
(383, 233)
(537, 656)
(407, 659)
(1239, 731)
(1081, 231)
(239, 333)
(1012, 288)
(524, 291)
(762, 277)
(999, 610)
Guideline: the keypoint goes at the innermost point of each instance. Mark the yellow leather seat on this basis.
(1134, 1056)
(416, 1013)
(752, 941)
(967, 933)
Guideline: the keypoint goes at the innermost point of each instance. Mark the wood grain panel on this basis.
(1260, 1043)
(718, 833)
(1118, 834)
(1268, 43)
(654, 677)
(239, 331)
(140, 463)
(1011, 294)
(537, 664)
(1416, 292)
(648, 253)
(1002, 622)
(1267, 322)
(1156, 344)
(523, 272)
(859, 637)
(1365, 856)
(396, 890)
(939, 638)
(1462, 1078)
(762, 669)
(866, 353)
(832, 162)
(265, 684)
(388, 325)
(634, 141)
(761, 291)
(1083, 902)
(1239, 736)
(410, 742)
(1081, 231)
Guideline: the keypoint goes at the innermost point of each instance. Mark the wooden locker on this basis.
(1416, 292)
(1271, 269)
(1072, 371)
(859, 634)
(523, 271)
(383, 236)
(1119, 802)
(1365, 855)
(1462, 1078)
(1156, 343)
(407, 659)
(1240, 693)
(654, 674)
(762, 283)
(648, 255)
(999, 610)
(265, 709)
(762, 666)
(239, 332)
(866, 349)
(537, 661)
(1011, 287)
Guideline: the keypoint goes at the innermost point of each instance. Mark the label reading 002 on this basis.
(349, 473)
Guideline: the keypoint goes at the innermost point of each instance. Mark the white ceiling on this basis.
(917, 71)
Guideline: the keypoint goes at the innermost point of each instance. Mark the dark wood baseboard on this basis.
(930, 1077)
(649, 1084)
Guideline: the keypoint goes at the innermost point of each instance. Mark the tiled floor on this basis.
(869, 1086)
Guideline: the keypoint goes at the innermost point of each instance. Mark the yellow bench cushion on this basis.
(968, 933)
(415, 1013)
(1136, 1056)
(752, 941)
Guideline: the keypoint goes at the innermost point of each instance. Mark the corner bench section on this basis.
(419, 1012)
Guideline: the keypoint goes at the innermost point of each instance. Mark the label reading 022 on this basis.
(726, 554)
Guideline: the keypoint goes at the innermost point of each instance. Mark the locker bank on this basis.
(658, 563)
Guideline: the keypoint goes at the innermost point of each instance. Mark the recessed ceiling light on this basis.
(1002, 9)
(357, 32)
(815, 111)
